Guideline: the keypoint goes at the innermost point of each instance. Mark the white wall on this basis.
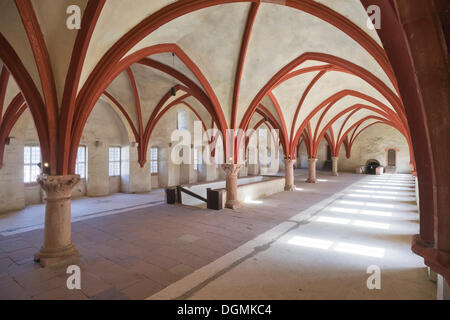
(171, 174)
(12, 191)
(14, 194)
(103, 129)
(373, 144)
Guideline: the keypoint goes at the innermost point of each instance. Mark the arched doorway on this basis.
(328, 164)
(371, 166)
(391, 160)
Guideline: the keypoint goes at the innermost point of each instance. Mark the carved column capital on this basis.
(58, 187)
(231, 168)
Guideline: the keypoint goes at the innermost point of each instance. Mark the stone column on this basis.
(58, 246)
(289, 175)
(231, 171)
(443, 288)
(312, 170)
(334, 165)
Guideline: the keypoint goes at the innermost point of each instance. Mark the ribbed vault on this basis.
(312, 69)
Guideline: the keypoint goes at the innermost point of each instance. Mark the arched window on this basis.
(392, 158)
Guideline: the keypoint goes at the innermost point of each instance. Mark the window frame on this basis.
(31, 164)
(114, 161)
(154, 161)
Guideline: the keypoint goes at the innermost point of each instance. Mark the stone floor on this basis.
(32, 217)
(142, 251)
(325, 252)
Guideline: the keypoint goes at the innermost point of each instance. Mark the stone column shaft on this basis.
(289, 175)
(334, 164)
(443, 288)
(58, 247)
(312, 171)
(231, 172)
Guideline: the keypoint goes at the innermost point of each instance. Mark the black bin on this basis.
(171, 195)
(214, 198)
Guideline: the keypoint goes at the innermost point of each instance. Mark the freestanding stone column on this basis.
(289, 175)
(334, 165)
(312, 170)
(231, 171)
(443, 288)
(58, 246)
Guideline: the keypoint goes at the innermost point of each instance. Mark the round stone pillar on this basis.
(58, 246)
(312, 170)
(231, 172)
(289, 175)
(334, 165)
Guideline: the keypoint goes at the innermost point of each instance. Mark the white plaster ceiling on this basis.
(11, 91)
(59, 39)
(212, 39)
(14, 31)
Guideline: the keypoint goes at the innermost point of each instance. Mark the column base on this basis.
(290, 188)
(336, 174)
(52, 257)
(232, 204)
(432, 276)
(311, 180)
(437, 260)
(443, 288)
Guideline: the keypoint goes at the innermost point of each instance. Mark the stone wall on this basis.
(104, 129)
(373, 143)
